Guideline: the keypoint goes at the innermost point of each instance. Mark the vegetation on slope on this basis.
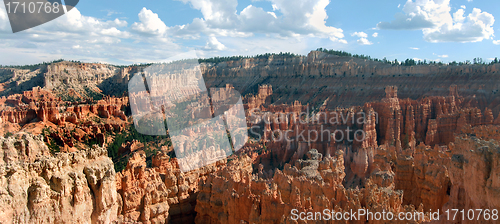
(151, 146)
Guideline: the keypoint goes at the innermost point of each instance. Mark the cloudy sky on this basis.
(126, 31)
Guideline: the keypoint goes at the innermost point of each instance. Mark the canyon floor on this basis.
(326, 132)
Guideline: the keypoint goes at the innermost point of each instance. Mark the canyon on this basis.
(415, 139)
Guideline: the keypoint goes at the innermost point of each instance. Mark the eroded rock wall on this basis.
(36, 187)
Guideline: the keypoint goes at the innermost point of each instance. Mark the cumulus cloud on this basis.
(362, 38)
(496, 42)
(443, 56)
(478, 26)
(375, 34)
(149, 24)
(439, 24)
(342, 41)
(298, 18)
(458, 16)
(214, 44)
(414, 48)
(74, 36)
(364, 41)
(360, 34)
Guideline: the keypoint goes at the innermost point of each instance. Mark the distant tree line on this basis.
(344, 54)
(475, 61)
(409, 61)
(134, 65)
(216, 60)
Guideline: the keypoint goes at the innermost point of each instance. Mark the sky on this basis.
(127, 32)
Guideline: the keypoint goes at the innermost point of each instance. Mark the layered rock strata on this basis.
(78, 187)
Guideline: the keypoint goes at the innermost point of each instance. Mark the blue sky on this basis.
(127, 32)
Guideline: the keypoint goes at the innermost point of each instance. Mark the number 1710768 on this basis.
(32, 7)
(471, 214)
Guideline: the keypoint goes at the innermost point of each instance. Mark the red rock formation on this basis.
(233, 194)
(159, 194)
(41, 106)
(432, 137)
(256, 101)
(474, 171)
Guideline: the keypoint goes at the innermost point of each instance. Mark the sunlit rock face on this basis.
(78, 187)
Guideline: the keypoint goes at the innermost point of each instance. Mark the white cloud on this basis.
(362, 38)
(478, 26)
(458, 16)
(414, 48)
(438, 24)
(275, 7)
(462, 6)
(149, 24)
(74, 36)
(360, 34)
(120, 23)
(375, 34)
(440, 56)
(111, 12)
(113, 31)
(342, 41)
(469, 0)
(4, 20)
(77, 37)
(214, 44)
(364, 41)
(298, 19)
(496, 42)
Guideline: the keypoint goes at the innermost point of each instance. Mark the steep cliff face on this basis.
(36, 187)
(474, 170)
(63, 77)
(343, 81)
(423, 176)
(18, 80)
